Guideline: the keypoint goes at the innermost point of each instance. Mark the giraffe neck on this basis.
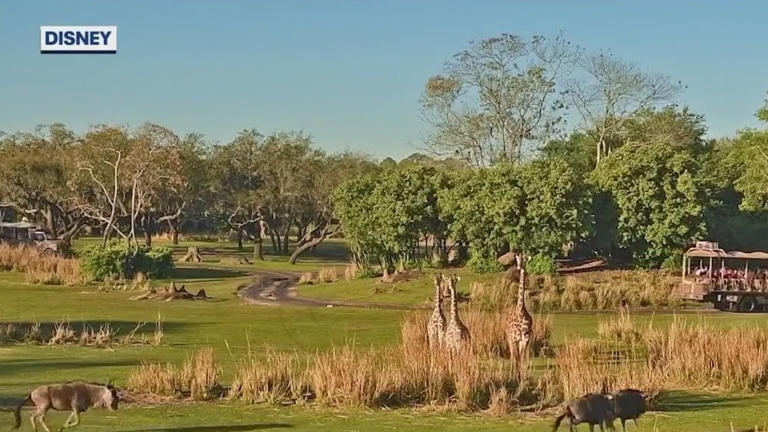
(438, 298)
(454, 310)
(521, 291)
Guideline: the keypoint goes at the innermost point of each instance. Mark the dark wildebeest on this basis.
(628, 404)
(593, 409)
(76, 396)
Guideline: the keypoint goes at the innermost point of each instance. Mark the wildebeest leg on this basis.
(624, 425)
(573, 427)
(41, 417)
(32, 419)
(72, 421)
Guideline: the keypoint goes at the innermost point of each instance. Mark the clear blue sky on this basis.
(348, 72)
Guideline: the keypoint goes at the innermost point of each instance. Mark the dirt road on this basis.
(271, 288)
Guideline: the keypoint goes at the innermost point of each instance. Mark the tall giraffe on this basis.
(519, 326)
(456, 333)
(436, 324)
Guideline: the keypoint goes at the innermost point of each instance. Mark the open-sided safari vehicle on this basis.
(27, 233)
(735, 281)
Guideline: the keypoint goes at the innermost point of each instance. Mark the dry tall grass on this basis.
(693, 354)
(620, 328)
(198, 377)
(275, 379)
(486, 330)
(40, 267)
(589, 366)
(63, 333)
(606, 290)
(327, 275)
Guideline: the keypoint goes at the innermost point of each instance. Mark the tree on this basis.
(481, 210)
(496, 96)
(317, 221)
(189, 196)
(386, 216)
(608, 91)
(34, 171)
(536, 208)
(659, 196)
(557, 208)
(235, 182)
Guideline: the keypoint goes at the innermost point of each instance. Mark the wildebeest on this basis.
(628, 404)
(593, 409)
(76, 396)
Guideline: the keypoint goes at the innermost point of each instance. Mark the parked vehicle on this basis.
(27, 233)
(734, 281)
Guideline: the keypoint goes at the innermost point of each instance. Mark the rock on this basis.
(506, 260)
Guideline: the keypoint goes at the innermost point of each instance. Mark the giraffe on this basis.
(519, 326)
(436, 324)
(456, 333)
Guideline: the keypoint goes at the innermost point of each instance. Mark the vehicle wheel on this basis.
(748, 304)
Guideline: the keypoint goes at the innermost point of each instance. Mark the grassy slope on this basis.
(231, 326)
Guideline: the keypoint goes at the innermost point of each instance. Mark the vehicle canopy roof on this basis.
(22, 225)
(711, 250)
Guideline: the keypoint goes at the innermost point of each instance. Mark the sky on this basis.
(349, 73)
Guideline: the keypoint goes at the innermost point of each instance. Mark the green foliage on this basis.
(659, 196)
(386, 216)
(481, 262)
(674, 261)
(538, 208)
(119, 260)
(541, 264)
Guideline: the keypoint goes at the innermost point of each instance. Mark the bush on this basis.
(117, 260)
(541, 264)
(674, 261)
(483, 263)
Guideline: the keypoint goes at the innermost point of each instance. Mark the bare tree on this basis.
(608, 91)
(497, 96)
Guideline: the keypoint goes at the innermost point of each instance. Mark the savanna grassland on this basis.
(237, 331)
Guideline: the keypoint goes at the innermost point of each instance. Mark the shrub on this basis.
(674, 261)
(482, 263)
(327, 275)
(119, 260)
(541, 264)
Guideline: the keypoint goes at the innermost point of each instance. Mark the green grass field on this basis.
(234, 328)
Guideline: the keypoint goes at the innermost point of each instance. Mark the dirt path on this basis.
(272, 288)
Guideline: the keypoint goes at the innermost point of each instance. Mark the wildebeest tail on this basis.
(560, 418)
(17, 411)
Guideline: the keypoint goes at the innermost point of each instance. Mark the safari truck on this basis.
(732, 281)
(27, 233)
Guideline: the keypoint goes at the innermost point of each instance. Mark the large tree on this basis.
(34, 171)
(660, 198)
(235, 182)
(497, 96)
(607, 91)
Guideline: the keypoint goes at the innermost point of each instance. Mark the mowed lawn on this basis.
(234, 329)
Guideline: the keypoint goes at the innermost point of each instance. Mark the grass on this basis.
(417, 291)
(235, 331)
